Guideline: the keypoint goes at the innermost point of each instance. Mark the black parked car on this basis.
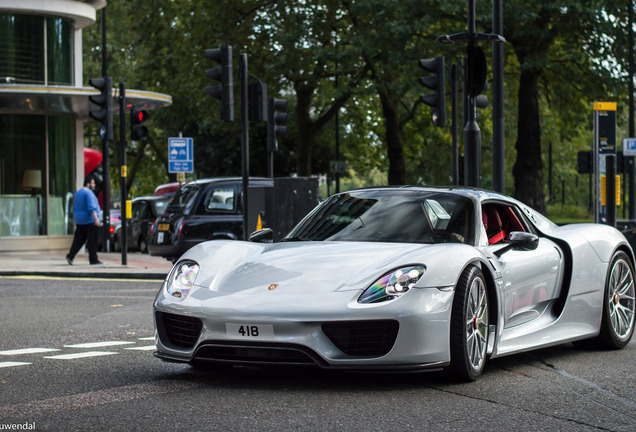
(145, 211)
(201, 210)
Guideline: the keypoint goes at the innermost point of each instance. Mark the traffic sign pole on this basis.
(604, 146)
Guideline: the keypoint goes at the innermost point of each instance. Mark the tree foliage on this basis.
(349, 67)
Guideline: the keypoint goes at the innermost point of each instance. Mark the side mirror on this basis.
(523, 240)
(520, 240)
(265, 235)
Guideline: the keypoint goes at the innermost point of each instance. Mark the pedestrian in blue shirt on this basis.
(86, 214)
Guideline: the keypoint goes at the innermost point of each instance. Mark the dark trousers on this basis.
(85, 234)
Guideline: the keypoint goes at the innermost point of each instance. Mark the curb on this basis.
(87, 274)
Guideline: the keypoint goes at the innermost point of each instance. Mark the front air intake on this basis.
(182, 331)
(373, 338)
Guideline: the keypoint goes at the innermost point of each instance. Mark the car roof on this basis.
(152, 198)
(224, 179)
(470, 192)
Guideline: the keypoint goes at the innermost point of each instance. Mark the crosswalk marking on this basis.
(80, 355)
(143, 348)
(27, 351)
(99, 344)
(11, 364)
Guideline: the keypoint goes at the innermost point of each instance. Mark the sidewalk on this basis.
(53, 263)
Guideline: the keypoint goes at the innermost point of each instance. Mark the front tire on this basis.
(469, 326)
(617, 325)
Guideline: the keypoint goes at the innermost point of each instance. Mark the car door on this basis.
(532, 279)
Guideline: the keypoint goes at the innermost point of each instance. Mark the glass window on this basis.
(409, 216)
(183, 199)
(61, 174)
(22, 48)
(221, 199)
(22, 174)
(59, 43)
(23, 59)
(25, 207)
(160, 206)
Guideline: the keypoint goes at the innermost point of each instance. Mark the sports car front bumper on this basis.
(331, 331)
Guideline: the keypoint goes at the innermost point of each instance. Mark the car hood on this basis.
(234, 267)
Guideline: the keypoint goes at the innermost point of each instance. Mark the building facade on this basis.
(43, 107)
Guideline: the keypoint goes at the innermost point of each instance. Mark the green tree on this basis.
(552, 42)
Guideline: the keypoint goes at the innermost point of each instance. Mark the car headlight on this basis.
(392, 285)
(181, 278)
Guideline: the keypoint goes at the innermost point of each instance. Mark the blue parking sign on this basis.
(629, 146)
(180, 155)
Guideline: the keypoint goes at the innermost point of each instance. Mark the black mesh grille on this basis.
(362, 338)
(182, 331)
(275, 354)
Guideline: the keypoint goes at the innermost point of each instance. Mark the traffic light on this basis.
(258, 102)
(437, 83)
(223, 74)
(138, 128)
(104, 101)
(476, 70)
(276, 122)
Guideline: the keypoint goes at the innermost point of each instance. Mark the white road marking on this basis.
(27, 351)
(11, 364)
(80, 355)
(99, 344)
(38, 350)
(143, 348)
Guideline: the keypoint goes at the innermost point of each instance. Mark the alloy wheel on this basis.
(620, 299)
(477, 323)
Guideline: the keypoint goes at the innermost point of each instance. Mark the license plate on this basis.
(164, 227)
(250, 331)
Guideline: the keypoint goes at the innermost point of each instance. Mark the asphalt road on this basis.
(76, 355)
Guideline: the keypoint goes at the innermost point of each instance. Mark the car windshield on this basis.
(160, 206)
(408, 216)
(182, 198)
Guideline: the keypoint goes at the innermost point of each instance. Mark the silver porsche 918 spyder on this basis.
(399, 279)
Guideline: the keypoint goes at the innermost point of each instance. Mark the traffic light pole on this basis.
(472, 146)
(498, 146)
(123, 173)
(105, 146)
(245, 124)
(472, 133)
(630, 159)
(474, 81)
(454, 128)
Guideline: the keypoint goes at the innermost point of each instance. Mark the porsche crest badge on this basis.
(272, 287)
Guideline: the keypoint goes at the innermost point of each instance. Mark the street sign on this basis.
(604, 146)
(180, 155)
(629, 146)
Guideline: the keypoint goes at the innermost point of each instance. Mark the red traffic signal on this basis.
(139, 130)
(140, 116)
